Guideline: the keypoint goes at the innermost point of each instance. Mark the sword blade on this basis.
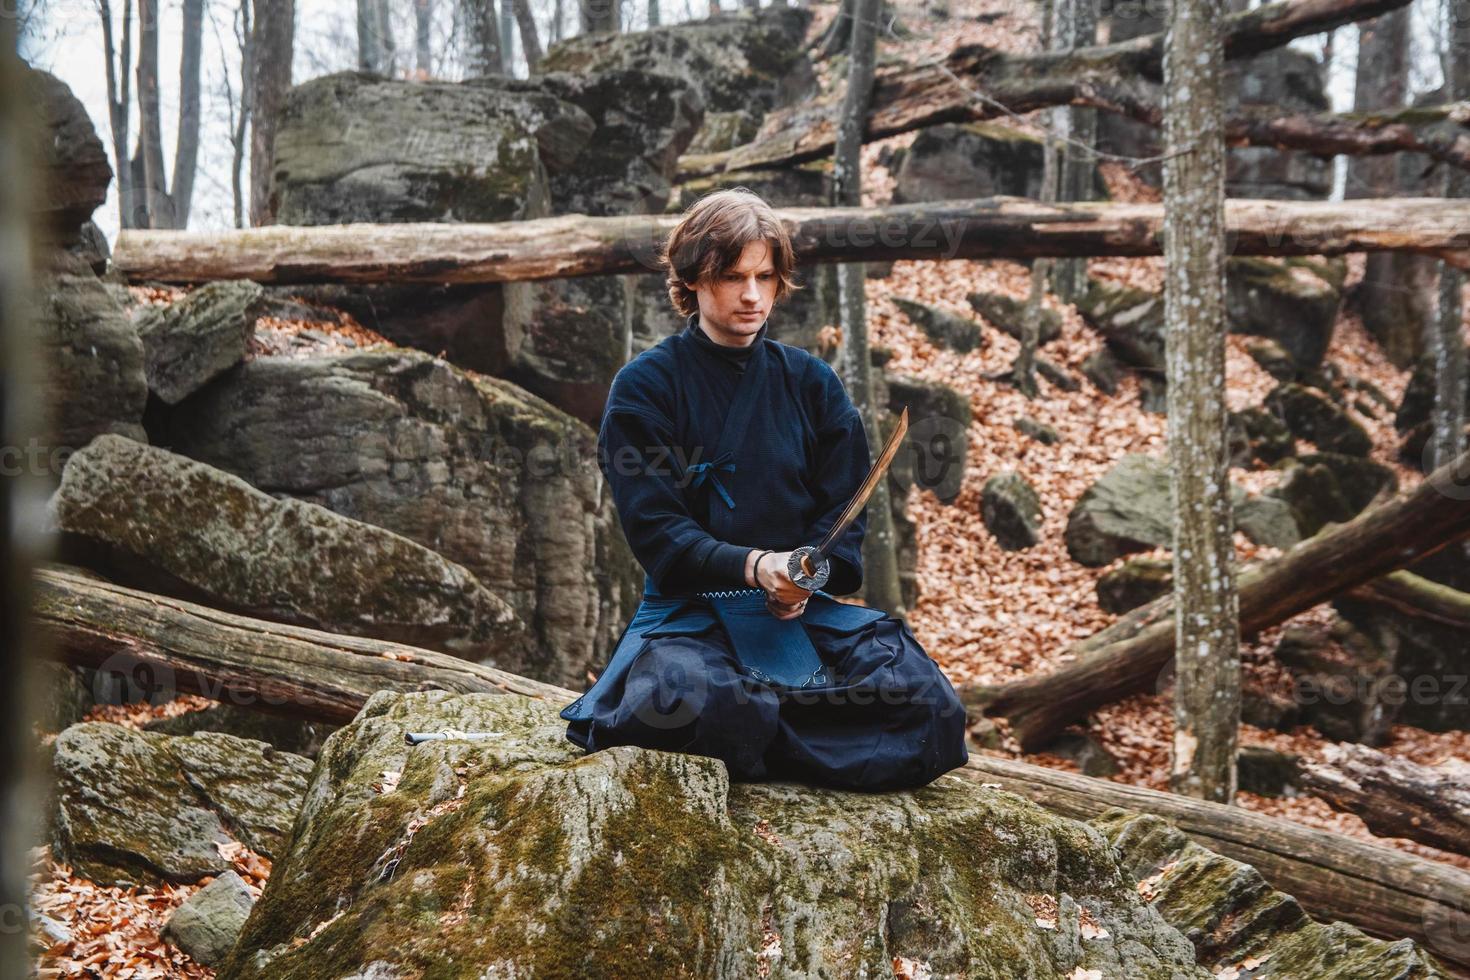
(860, 499)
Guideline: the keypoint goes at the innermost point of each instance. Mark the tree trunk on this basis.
(150, 133)
(577, 245)
(508, 37)
(557, 16)
(376, 51)
(1206, 624)
(241, 129)
(119, 107)
(192, 649)
(1076, 28)
(1130, 655)
(484, 36)
(530, 42)
(601, 16)
(1447, 339)
(186, 146)
(880, 555)
(1023, 369)
(839, 32)
(1382, 891)
(275, 32)
(21, 394)
(1395, 797)
(653, 14)
(1119, 77)
(1382, 82)
(423, 23)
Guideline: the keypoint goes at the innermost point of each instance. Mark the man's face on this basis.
(734, 303)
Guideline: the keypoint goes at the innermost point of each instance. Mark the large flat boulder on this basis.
(743, 64)
(170, 521)
(1292, 301)
(517, 856)
(139, 808)
(957, 161)
(474, 468)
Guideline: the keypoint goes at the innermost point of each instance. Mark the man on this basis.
(724, 450)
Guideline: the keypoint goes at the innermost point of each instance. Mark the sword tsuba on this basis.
(807, 569)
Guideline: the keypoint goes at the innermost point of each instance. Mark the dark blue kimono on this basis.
(711, 451)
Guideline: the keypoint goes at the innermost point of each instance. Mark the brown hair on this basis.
(710, 237)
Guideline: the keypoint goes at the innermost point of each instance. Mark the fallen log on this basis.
(578, 245)
(974, 82)
(1417, 598)
(1130, 655)
(1394, 797)
(1384, 892)
(170, 645)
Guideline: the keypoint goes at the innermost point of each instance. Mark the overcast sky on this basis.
(65, 38)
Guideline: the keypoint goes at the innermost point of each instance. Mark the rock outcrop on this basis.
(138, 808)
(94, 359)
(174, 525)
(188, 343)
(73, 172)
(1239, 924)
(472, 468)
(517, 856)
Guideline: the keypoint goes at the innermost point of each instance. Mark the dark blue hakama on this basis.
(880, 714)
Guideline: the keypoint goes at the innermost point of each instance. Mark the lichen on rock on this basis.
(518, 856)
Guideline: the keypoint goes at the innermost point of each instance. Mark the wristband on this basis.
(755, 569)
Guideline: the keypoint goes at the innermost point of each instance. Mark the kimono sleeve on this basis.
(635, 453)
(842, 461)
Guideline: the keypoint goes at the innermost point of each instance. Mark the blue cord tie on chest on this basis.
(725, 462)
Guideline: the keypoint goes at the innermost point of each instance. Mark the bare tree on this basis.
(423, 21)
(880, 562)
(1023, 369)
(1206, 623)
(484, 38)
(274, 39)
(119, 106)
(653, 13)
(158, 211)
(507, 38)
(530, 42)
(1447, 338)
(186, 143)
(1075, 26)
(240, 122)
(601, 16)
(376, 51)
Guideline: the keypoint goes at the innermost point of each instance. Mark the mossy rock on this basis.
(1130, 320)
(519, 856)
(1293, 301)
(1133, 583)
(1011, 511)
(1312, 416)
(288, 560)
(1323, 488)
(139, 808)
(1232, 914)
(1256, 434)
(1008, 315)
(945, 329)
(934, 453)
(187, 343)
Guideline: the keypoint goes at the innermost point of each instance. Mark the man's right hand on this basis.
(771, 575)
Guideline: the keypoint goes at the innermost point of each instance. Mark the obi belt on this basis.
(777, 652)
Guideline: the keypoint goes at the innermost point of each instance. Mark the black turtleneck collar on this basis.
(734, 356)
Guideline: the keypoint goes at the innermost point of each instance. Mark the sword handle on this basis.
(804, 570)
